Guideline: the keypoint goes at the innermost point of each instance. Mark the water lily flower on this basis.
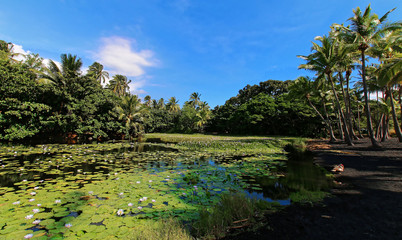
(17, 202)
(141, 199)
(120, 212)
(24, 179)
(150, 181)
(68, 225)
(28, 236)
(130, 204)
(153, 200)
(145, 198)
(91, 192)
(35, 210)
(32, 199)
(140, 207)
(121, 194)
(29, 216)
(37, 221)
(38, 204)
(36, 188)
(57, 201)
(33, 193)
(138, 182)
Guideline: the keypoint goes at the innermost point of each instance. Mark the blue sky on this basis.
(176, 47)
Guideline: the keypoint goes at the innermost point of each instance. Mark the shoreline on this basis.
(365, 203)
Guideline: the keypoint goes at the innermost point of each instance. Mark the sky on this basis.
(176, 47)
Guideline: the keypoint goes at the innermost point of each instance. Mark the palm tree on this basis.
(119, 84)
(148, 100)
(131, 111)
(323, 61)
(96, 70)
(389, 73)
(173, 105)
(195, 99)
(365, 30)
(70, 65)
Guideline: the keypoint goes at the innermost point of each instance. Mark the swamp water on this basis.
(103, 190)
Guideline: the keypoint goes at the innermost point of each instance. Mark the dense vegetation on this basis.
(63, 104)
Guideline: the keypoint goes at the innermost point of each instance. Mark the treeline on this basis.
(58, 103)
(54, 103)
(266, 109)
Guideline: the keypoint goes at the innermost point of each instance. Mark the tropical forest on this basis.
(82, 157)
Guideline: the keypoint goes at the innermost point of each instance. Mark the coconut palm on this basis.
(131, 112)
(195, 99)
(148, 100)
(119, 84)
(323, 61)
(96, 70)
(70, 65)
(365, 30)
(173, 105)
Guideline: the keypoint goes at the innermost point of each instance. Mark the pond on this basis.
(111, 189)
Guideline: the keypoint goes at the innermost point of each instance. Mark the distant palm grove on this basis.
(59, 103)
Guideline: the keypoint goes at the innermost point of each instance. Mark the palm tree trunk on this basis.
(378, 131)
(331, 131)
(327, 123)
(385, 129)
(374, 142)
(346, 99)
(345, 128)
(394, 117)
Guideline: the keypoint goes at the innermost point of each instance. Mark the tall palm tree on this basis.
(365, 30)
(131, 111)
(173, 105)
(389, 73)
(323, 60)
(119, 84)
(96, 70)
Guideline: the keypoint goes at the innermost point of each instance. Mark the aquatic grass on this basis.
(231, 212)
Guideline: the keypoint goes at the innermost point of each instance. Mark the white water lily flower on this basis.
(17, 202)
(33, 193)
(57, 201)
(145, 198)
(36, 222)
(36, 188)
(90, 192)
(38, 204)
(29, 216)
(130, 204)
(121, 194)
(28, 236)
(140, 207)
(153, 200)
(32, 199)
(35, 210)
(150, 181)
(68, 225)
(120, 212)
(138, 182)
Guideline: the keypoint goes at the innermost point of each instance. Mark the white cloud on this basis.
(118, 56)
(21, 51)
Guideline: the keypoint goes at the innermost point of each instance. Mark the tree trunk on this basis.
(332, 135)
(378, 131)
(394, 117)
(345, 128)
(374, 142)
(346, 99)
(385, 129)
(327, 123)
